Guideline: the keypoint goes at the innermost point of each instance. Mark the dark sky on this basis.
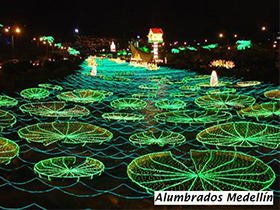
(189, 19)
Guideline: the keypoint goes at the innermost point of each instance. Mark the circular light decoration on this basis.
(149, 87)
(224, 91)
(122, 116)
(8, 150)
(82, 96)
(128, 103)
(261, 111)
(248, 83)
(207, 84)
(160, 138)
(144, 95)
(210, 170)
(7, 101)
(170, 104)
(241, 134)
(224, 101)
(6, 120)
(68, 167)
(67, 132)
(190, 117)
(187, 87)
(54, 109)
(35, 93)
(183, 94)
(51, 86)
(273, 94)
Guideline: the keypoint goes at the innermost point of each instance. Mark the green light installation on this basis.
(73, 51)
(243, 44)
(160, 138)
(183, 94)
(248, 83)
(210, 46)
(59, 45)
(106, 93)
(34, 93)
(201, 77)
(8, 150)
(50, 86)
(124, 73)
(54, 109)
(128, 103)
(273, 94)
(68, 167)
(210, 170)
(261, 111)
(144, 48)
(7, 101)
(67, 132)
(49, 39)
(207, 84)
(149, 87)
(192, 118)
(224, 101)
(224, 91)
(82, 96)
(6, 120)
(189, 88)
(122, 116)
(121, 79)
(191, 48)
(175, 51)
(170, 104)
(144, 95)
(241, 134)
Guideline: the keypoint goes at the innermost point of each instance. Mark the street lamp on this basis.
(13, 31)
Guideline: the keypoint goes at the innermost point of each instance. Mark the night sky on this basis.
(180, 20)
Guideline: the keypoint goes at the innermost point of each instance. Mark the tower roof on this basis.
(156, 30)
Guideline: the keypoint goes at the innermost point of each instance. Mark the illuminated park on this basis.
(107, 128)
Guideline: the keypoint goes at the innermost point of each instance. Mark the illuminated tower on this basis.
(214, 79)
(155, 37)
(113, 47)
